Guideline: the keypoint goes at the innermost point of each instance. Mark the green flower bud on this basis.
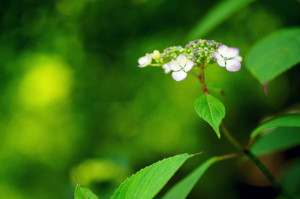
(156, 55)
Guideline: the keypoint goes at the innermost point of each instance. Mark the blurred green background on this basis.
(74, 103)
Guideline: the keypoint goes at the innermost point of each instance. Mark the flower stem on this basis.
(244, 149)
(229, 156)
(256, 161)
(201, 78)
(232, 139)
(268, 174)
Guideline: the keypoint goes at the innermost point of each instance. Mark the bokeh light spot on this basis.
(99, 170)
(48, 81)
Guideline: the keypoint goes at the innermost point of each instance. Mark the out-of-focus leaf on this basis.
(184, 187)
(149, 181)
(283, 121)
(278, 139)
(211, 110)
(291, 180)
(84, 193)
(274, 54)
(216, 15)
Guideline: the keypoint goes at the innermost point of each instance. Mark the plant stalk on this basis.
(244, 149)
(267, 173)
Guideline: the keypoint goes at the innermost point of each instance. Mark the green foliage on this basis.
(215, 16)
(84, 193)
(283, 121)
(71, 91)
(184, 187)
(211, 110)
(150, 180)
(291, 180)
(274, 54)
(277, 139)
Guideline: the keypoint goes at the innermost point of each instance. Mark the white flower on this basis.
(180, 67)
(145, 61)
(166, 68)
(228, 57)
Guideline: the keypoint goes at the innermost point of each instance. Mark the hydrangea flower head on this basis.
(199, 53)
(145, 61)
(228, 57)
(180, 66)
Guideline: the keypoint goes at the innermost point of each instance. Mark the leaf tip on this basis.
(218, 132)
(76, 181)
(265, 88)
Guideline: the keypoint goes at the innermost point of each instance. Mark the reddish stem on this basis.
(202, 81)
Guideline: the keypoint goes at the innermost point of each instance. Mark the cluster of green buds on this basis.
(198, 53)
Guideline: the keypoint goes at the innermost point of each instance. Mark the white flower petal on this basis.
(233, 65)
(189, 65)
(221, 62)
(179, 75)
(231, 52)
(166, 68)
(181, 59)
(222, 49)
(173, 65)
(238, 58)
(217, 55)
(144, 61)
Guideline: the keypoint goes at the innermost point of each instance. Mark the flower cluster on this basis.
(198, 53)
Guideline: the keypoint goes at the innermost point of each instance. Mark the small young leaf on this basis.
(283, 121)
(215, 89)
(276, 140)
(184, 187)
(274, 54)
(219, 13)
(84, 193)
(146, 183)
(211, 110)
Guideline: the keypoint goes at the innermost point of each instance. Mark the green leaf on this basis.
(291, 178)
(211, 110)
(84, 193)
(150, 180)
(184, 187)
(221, 12)
(276, 140)
(283, 121)
(274, 54)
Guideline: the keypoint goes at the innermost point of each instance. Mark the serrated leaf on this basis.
(276, 140)
(211, 110)
(146, 183)
(283, 121)
(184, 187)
(274, 54)
(84, 193)
(216, 15)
